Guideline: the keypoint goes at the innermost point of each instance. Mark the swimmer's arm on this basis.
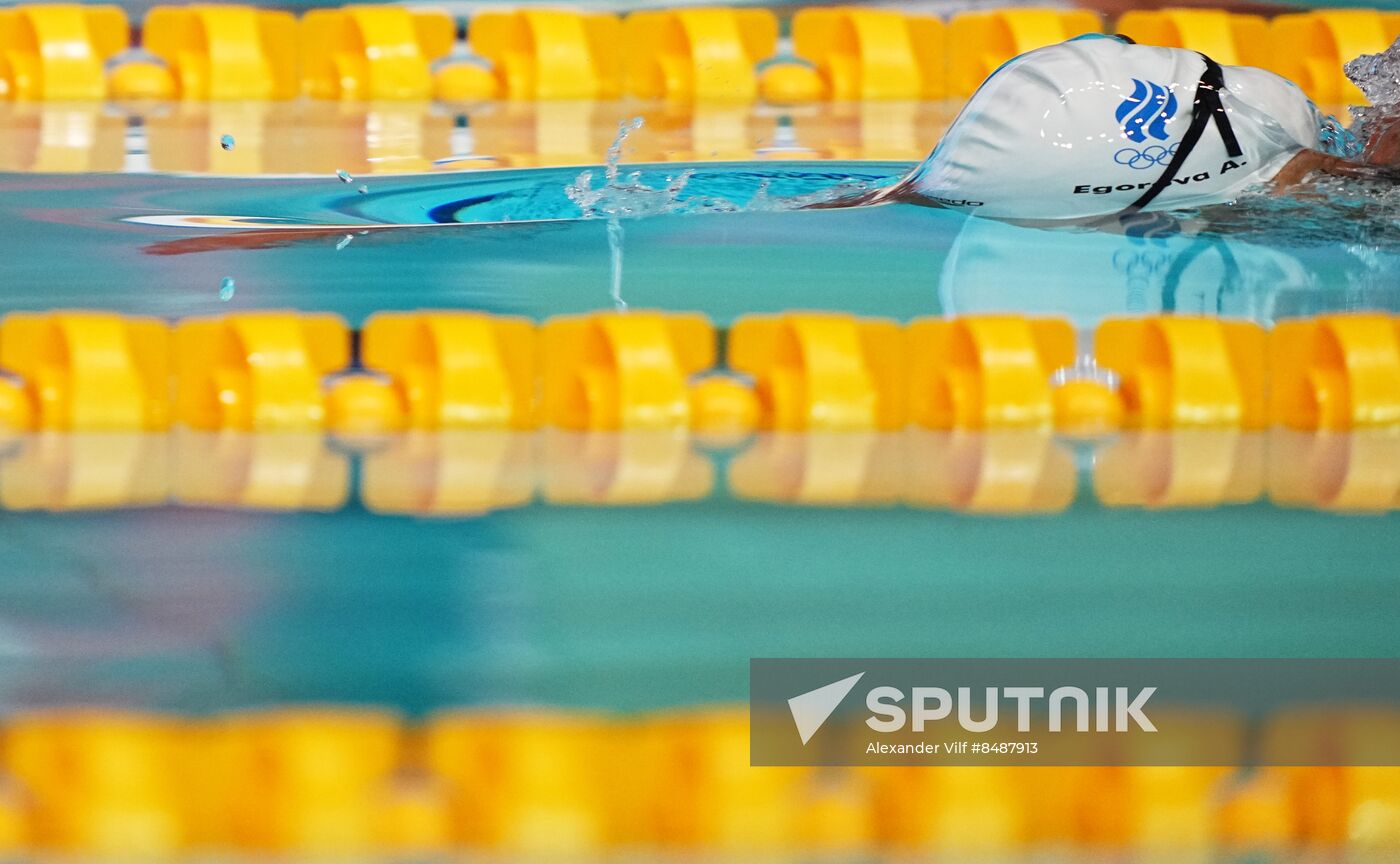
(1309, 162)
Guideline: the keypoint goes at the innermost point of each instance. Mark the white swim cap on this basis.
(1083, 128)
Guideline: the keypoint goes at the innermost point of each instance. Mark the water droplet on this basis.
(226, 289)
(615, 259)
(345, 242)
(344, 175)
(364, 190)
(226, 142)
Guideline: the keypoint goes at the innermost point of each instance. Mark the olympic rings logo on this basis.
(1146, 157)
(1140, 264)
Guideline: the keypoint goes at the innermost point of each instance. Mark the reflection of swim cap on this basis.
(1087, 276)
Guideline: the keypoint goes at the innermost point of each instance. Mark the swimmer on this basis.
(1102, 127)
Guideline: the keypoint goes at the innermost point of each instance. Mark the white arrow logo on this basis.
(810, 710)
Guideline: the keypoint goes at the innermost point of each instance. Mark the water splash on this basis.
(226, 289)
(1326, 209)
(627, 196)
(344, 176)
(616, 199)
(623, 197)
(1378, 77)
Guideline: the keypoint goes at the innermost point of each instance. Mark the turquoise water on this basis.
(70, 242)
(637, 607)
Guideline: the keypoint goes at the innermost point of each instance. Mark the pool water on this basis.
(203, 573)
(560, 597)
(627, 573)
(205, 607)
(410, 242)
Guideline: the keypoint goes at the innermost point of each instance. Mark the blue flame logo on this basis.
(1146, 111)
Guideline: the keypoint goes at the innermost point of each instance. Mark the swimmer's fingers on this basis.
(863, 199)
(900, 192)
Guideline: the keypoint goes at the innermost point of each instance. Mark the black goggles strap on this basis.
(1206, 108)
